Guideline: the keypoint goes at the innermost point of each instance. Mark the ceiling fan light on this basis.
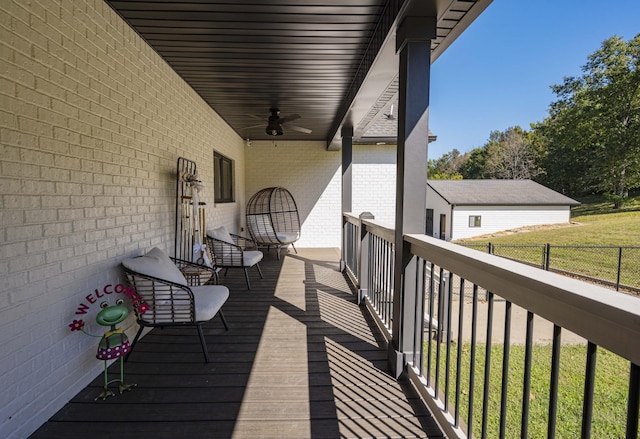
(274, 130)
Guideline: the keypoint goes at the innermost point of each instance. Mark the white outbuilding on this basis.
(458, 209)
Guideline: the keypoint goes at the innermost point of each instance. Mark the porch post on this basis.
(413, 44)
(347, 182)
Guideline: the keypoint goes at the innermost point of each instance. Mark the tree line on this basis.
(588, 144)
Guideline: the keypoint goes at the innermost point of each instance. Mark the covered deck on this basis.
(301, 359)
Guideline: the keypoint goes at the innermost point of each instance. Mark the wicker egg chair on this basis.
(272, 219)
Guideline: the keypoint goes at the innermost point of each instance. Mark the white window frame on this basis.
(475, 220)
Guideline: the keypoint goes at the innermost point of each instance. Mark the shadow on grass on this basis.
(599, 205)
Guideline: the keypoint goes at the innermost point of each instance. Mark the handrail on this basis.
(607, 318)
(379, 229)
(351, 218)
(433, 273)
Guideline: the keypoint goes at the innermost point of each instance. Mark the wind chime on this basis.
(190, 221)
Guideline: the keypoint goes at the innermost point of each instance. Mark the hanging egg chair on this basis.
(272, 219)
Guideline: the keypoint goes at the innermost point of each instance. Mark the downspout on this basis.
(451, 225)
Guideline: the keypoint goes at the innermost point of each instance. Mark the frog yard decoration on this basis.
(114, 343)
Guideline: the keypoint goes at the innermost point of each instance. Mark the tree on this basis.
(475, 166)
(511, 155)
(446, 167)
(593, 129)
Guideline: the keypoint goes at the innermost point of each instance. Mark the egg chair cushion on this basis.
(287, 237)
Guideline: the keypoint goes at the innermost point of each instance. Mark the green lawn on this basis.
(613, 229)
(610, 396)
(595, 224)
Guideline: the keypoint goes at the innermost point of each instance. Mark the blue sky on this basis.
(499, 72)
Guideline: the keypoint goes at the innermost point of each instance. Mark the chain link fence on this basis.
(613, 267)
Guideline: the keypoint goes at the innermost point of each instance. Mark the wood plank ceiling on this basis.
(303, 57)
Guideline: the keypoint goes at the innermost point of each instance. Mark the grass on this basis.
(610, 396)
(598, 205)
(594, 223)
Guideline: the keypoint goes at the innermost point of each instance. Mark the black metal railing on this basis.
(351, 246)
(612, 266)
(495, 342)
(380, 277)
(454, 349)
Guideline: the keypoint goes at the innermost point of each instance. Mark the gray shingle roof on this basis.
(498, 192)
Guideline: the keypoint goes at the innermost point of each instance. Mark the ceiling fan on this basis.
(275, 123)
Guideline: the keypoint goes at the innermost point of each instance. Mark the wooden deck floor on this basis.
(300, 361)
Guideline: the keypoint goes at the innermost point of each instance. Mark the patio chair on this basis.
(172, 300)
(233, 251)
(273, 219)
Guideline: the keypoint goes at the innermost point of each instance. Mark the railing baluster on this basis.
(389, 287)
(373, 269)
(439, 331)
(430, 337)
(491, 275)
(472, 361)
(420, 317)
(372, 272)
(379, 293)
(417, 316)
(378, 277)
(553, 390)
(526, 387)
(487, 367)
(459, 354)
(589, 381)
(633, 402)
(385, 281)
(447, 376)
(505, 368)
(380, 280)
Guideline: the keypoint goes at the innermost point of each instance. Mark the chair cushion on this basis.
(287, 237)
(208, 300)
(251, 257)
(157, 264)
(221, 234)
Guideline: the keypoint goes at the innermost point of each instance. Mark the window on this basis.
(222, 178)
(474, 220)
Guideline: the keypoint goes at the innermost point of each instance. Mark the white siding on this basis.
(440, 207)
(499, 218)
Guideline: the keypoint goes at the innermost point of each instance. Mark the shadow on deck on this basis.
(301, 360)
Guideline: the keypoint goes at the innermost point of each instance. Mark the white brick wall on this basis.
(374, 181)
(312, 175)
(92, 122)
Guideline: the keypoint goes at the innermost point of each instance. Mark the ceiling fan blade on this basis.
(254, 126)
(289, 118)
(299, 129)
(255, 117)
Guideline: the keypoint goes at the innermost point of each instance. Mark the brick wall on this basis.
(374, 181)
(92, 122)
(312, 175)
